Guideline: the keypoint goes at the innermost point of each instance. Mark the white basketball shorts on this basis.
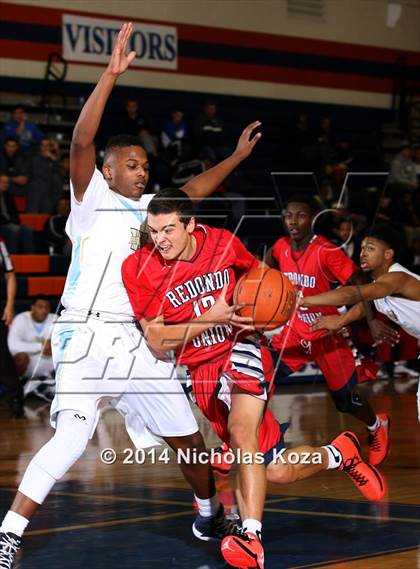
(98, 361)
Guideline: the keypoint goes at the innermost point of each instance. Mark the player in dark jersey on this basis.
(314, 265)
(180, 287)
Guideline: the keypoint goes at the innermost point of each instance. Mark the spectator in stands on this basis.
(30, 344)
(325, 134)
(409, 217)
(346, 238)
(46, 185)
(19, 238)
(416, 161)
(23, 130)
(301, 137)
(8, 374)
(416, 256)
(54, 229)
(175, 135)
(210, 135)
(16, 166)
(134, 123)
(320, 155)
(403, 175)
(64, 168)
(386, 210)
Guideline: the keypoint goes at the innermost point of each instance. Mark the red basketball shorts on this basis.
(331, 353)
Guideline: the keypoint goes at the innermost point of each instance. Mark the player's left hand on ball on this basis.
(243, 322)
(223, 313)
(247, 140)
(382, 332)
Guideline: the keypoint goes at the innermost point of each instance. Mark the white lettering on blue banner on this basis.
(92, 39)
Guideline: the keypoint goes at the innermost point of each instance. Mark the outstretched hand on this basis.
(119, 60)
(246, 141)
(330, 323)
(382, 332)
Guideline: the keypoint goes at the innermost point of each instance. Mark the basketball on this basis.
(268, 297)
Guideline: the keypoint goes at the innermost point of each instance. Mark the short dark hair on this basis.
(40, 297)
(307, 199)
(11, 139)
(121, 141)
(172, 200)
(388, 235)
(341, 220)
(18, 106)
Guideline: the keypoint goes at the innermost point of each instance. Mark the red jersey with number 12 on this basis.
(182, 290)
(312, 271)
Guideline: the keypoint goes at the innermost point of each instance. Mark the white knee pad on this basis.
(55, 458)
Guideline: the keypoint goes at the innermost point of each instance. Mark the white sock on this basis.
(334, 456)
(14, 523)
(252, 526)
(375, 425)
(208, 506)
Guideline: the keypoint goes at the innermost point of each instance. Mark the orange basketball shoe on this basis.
(364, 476)
(379, 441)
(217, 461)
(243, 550)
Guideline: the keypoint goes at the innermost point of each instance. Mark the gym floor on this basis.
(139, 516)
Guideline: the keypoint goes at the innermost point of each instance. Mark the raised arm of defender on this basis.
(82, 149)
(204, 184)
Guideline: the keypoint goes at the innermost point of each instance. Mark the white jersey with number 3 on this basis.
(403, 311)
(104, 229)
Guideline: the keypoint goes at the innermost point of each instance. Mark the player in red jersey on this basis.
(314, 264)
(179, 288)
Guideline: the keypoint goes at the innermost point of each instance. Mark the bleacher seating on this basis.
(34, 220)
(39, 274)
(45, 274)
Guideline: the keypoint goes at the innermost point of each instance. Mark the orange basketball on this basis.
(268, 297)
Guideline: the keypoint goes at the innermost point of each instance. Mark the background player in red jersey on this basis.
(179, 288)
(314, 264)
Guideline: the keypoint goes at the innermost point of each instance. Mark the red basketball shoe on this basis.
(363, 475)
(217, 461)
(243, 550)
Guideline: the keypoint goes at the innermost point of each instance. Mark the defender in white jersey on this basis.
(395, 290)
(99, 353)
